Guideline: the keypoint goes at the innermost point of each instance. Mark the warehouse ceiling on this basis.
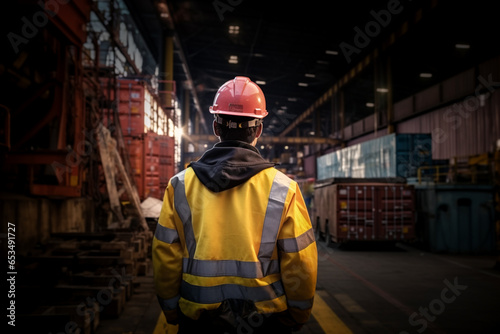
(297, 50)
(291, 49)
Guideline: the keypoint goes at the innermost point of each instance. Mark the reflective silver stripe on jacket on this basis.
(168, 304)
(292, 245)
(219, 293)
(182, 207)
(215, 268)
(301, 304)
(272, 220)
(165, 234)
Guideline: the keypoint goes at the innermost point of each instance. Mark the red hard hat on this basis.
(240, 97)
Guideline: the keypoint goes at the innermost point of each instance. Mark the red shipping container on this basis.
(151, 171)
(132, 125)
(139, 108)
(152, 144)
(167, 146)
(152, 164)
(364, 211)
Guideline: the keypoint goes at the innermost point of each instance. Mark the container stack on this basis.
(362, 191)
(394, 155)
(146, 128)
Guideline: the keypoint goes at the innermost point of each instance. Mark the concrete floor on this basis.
(374, 289)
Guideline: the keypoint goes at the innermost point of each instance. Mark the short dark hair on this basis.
(245, 134)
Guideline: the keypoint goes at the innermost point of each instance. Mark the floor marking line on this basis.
(389, 298)
(326, 318)
(348, 303)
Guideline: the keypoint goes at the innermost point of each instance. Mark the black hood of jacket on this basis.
(229, 164)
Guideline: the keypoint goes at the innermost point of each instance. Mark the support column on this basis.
(390, 104)
(376, 95)
(333, 114)
(185, 124)
(167, 74)
(342, 116)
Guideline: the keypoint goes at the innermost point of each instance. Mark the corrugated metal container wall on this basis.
(152, 162)
(469, 127)
(393, 155)
(148, 136)
(138, 108)
(365, 211)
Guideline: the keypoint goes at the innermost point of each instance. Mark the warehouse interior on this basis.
(103, 101)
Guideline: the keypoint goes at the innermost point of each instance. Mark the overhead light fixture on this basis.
(233, 59)
(310, 75)
(292, 99)
(370, 104)
(303, 84)
(322, 62)
(426, 75)
(234, 30)
(382, 90)
(462, 46)
(331, 52)
(260, 82)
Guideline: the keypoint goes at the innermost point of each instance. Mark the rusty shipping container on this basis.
(139, 109)
(152, 163)
(364, 211)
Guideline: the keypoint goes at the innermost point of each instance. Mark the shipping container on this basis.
(358, 209)
(457, 218)
(139, 108)
(394, 155)
(152, 163)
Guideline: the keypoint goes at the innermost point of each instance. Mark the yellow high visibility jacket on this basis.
(251, 242)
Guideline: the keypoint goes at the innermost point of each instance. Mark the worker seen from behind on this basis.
(234, 250)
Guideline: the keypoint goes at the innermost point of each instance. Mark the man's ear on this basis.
(259, 130)
(214, 127)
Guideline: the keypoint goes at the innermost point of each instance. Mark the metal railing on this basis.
(475, 170)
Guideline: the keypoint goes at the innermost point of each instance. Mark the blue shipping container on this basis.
(394, 155)
(457, 218)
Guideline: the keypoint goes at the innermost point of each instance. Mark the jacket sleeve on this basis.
(167, 258)
(298, 257)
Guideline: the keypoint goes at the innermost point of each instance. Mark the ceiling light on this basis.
(260, 82)
(233, 60)
(234, 30)
(382, 90)
(303, 84)
(331, 52)
(462, 46)
(322, 62)
(426, 75)
(370, 104)
(310, 75)
(292, 99)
